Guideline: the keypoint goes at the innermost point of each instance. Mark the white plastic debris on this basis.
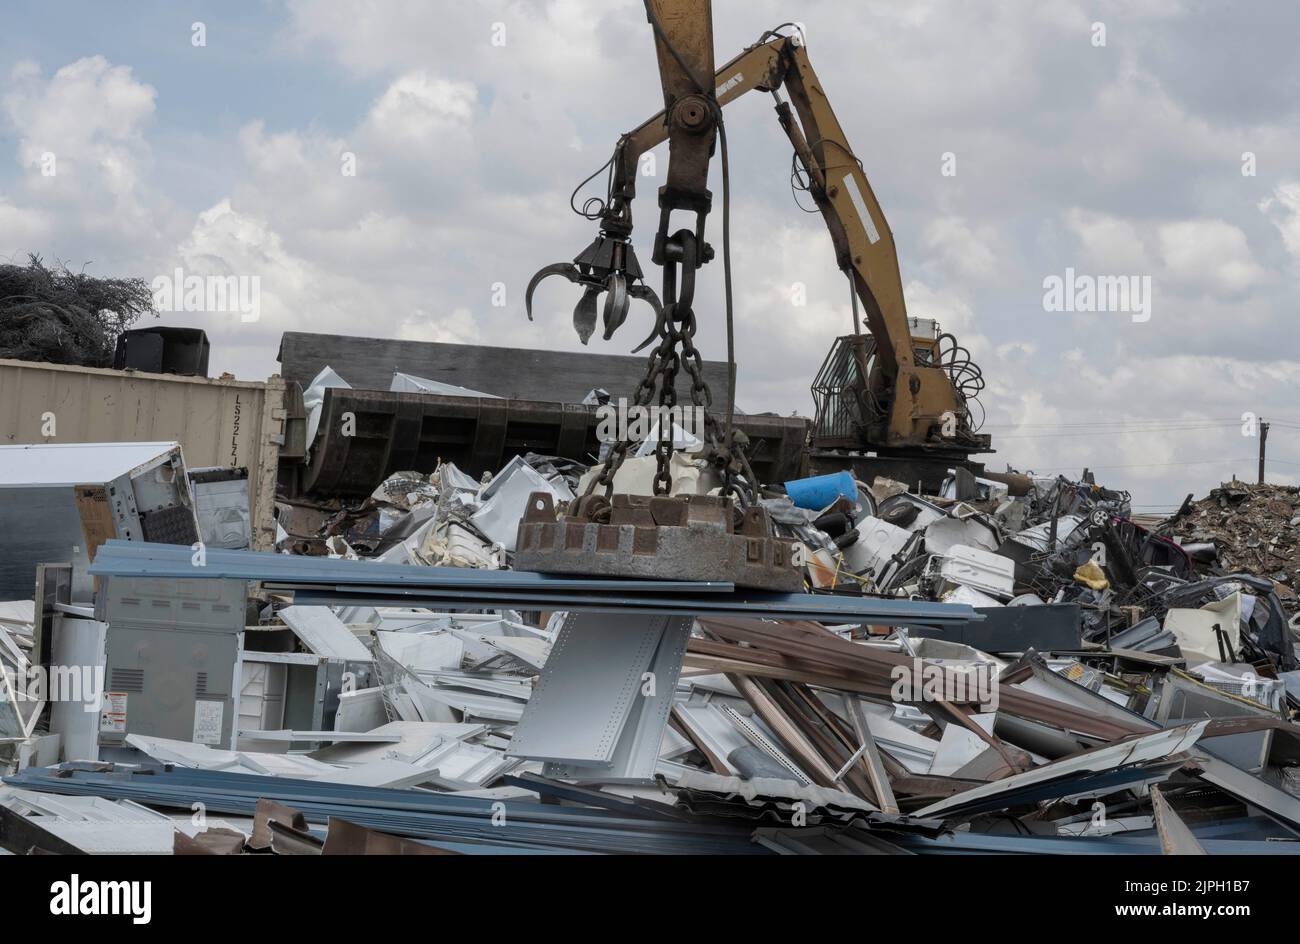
(313, 398)
(409, 383)
(877, 544)
(503, 499)
(975, 568)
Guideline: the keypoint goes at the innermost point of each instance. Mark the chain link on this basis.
(676, 328)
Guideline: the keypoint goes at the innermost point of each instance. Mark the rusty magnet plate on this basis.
(687, 537)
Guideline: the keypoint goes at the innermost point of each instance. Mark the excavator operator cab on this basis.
(848, 394)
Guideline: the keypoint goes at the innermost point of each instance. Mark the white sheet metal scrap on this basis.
(322, 580)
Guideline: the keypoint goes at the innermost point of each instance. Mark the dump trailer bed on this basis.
(397, 432)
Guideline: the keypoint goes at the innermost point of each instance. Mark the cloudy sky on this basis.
(1170, 152)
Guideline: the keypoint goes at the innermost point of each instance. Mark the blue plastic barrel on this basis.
(819, 491)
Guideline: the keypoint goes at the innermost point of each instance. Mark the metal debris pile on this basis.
(989, 673)
(443, 518)
(473, 735)
(530, 661)
(1054, 543)
(1241, 526)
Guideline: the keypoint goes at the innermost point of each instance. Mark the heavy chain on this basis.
(676, 329)
(661, 373)
(663, 483)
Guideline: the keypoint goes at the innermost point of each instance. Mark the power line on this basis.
(1147, 465)
(1134, 419)
(1108, 432)
(1143, 423)
(1114, 424)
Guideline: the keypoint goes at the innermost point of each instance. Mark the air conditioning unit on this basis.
(172, 655)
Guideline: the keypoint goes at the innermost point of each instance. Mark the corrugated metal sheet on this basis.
(412, 813)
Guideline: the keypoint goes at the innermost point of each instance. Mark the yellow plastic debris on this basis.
(1092, 576)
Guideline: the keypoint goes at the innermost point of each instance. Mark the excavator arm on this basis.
(684, 42)
(863, 242)
(920, 399)
(907, 399)
(759, 67)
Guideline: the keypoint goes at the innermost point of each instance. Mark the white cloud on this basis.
(82, 147)
(22, 230)
(89, 115)
(423, 110)
(1283, 209)
(459, 327)
(964, 250)
(294, 292)
(1186, 257)
(1110, 244)
(1213, 253)
(1017, 349)
(85, 106)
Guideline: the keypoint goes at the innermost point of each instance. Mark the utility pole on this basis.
(1263, 438)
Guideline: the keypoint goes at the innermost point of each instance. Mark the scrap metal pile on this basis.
(1241, 526)
(1009, 541)
(1013, 665)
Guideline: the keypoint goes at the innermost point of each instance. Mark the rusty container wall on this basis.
(228, 423)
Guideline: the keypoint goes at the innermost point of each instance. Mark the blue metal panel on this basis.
(824, 608)
(415, 813)
(323, 581)
(138, 558)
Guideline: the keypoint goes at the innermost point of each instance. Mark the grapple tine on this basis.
(584, 313)
(616, 304)
(647, 294)
(566, 269)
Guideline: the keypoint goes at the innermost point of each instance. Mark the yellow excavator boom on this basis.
(919, 403)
